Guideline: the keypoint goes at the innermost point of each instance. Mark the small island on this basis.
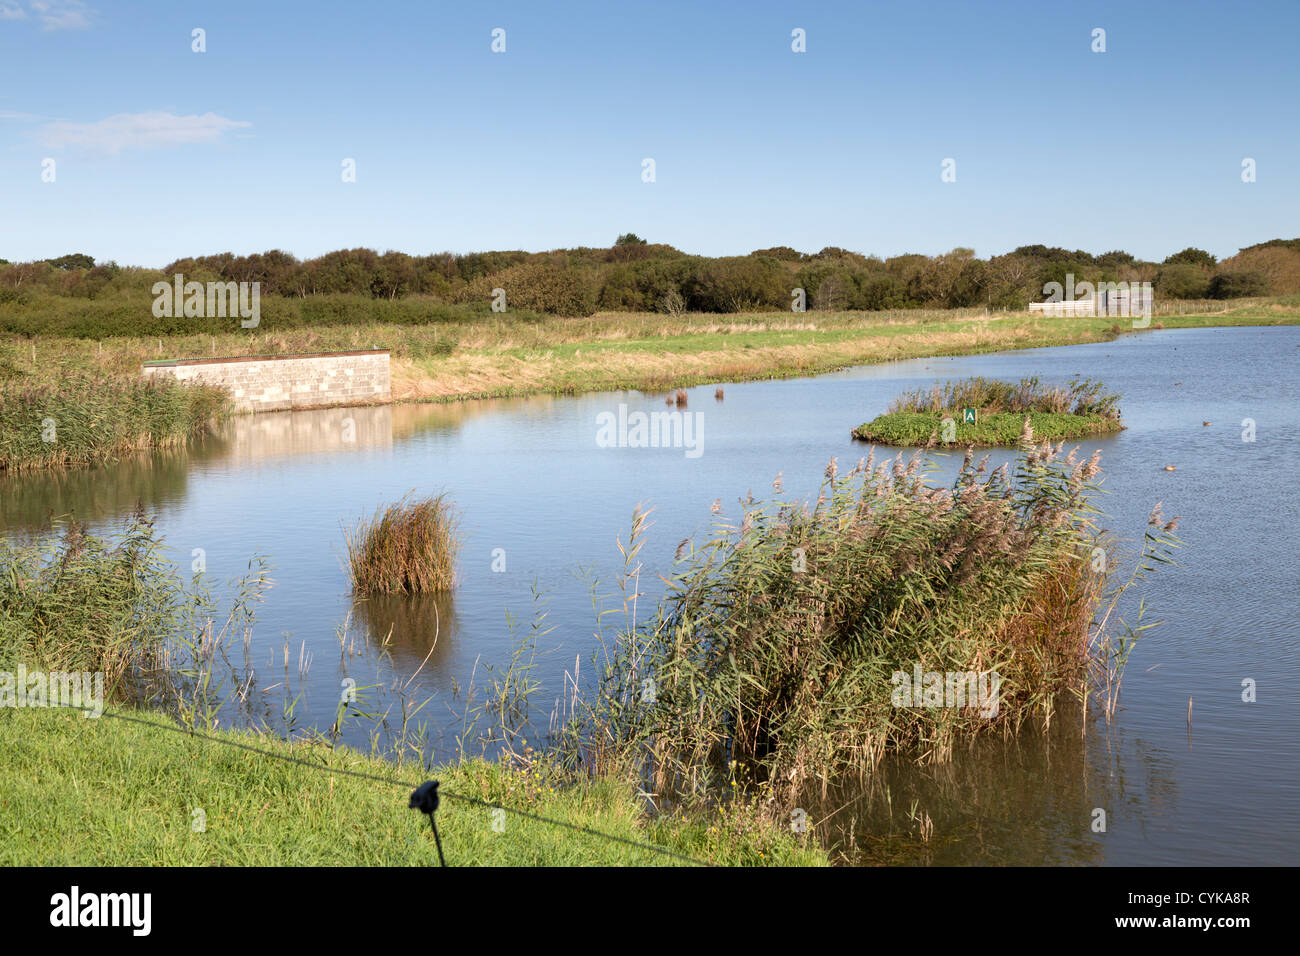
(941, 415)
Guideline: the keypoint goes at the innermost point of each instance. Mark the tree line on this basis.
(634, 275)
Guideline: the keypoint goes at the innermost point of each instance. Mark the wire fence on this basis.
(424, 796)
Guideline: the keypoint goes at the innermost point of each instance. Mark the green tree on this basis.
(1182, 280)
(1237, 285)
(1193, 257)
(75, 260)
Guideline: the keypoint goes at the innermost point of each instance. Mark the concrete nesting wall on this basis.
(275, 382)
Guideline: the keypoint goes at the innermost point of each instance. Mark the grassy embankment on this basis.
(113, 791)
(108, 792)
(933, 416)
(55, 366)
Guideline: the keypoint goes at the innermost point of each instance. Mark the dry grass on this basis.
(509, 355)
(408, 547)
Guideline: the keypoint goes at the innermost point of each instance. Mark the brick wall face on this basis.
(275, 383)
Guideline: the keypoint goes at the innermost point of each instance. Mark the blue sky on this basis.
(161, 152)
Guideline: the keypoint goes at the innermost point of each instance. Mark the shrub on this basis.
(1237, 285)
(541, 288)
(738, 284)
(1182, 281)
(1278, 263)
(1193, 257)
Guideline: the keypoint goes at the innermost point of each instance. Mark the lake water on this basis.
(537, 491)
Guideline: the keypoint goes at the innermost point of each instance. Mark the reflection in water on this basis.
(1029, 798)
(94, 495)
(250, 438)
(411, 420)
(410, 627)
(158, 480)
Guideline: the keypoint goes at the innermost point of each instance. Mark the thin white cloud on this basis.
(62, 14)
(149, 130)
(52, 14)
(15, 115)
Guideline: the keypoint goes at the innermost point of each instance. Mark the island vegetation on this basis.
(986, 413)
(409, 547)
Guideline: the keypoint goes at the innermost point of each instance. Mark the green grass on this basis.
(1001, 429)
(108, 792)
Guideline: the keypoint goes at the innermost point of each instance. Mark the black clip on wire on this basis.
(425, 799)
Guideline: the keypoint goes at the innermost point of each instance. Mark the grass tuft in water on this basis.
(409, 547)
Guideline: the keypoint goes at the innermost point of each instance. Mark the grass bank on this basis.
(88, 394)
(123, 790)
(111, 792)
(466, 355)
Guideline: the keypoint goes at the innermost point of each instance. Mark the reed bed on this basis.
(406, 547)
(81, 421)
(773, 656)
(76, 601)
(1085, 397)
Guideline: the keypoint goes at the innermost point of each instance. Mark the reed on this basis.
(82, 420)
(1079, 397)
(113, 603)
(409, 547)
(79, 602)
(773, 657)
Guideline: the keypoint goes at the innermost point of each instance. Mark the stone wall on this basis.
(266, 383)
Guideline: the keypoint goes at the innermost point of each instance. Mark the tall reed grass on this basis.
(113, 603)
(772, 657)
(85, 421)
(410, 546)
(1079, 397)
